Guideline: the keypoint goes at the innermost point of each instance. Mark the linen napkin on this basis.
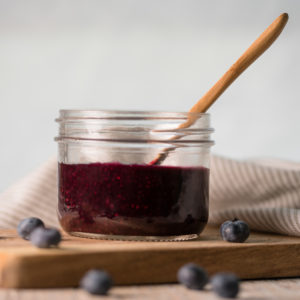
(265, 194)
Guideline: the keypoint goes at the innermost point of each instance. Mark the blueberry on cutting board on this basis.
(26, 226)
(45, 237)
(235, 231)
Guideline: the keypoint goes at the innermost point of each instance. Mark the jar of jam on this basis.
(133, 175)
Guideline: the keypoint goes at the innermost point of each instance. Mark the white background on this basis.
(145, 55)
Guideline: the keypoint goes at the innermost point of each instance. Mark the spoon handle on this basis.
(257, 48)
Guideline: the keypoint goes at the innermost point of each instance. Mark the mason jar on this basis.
(133, 175)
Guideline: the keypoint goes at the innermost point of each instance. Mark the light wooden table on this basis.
(284, 289)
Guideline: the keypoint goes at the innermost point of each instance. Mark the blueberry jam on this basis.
(133, 200)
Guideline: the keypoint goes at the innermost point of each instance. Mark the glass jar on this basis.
(133, 175)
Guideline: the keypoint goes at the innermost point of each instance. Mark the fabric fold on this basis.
(265, 194)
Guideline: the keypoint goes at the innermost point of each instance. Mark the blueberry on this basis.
(192, 276)
(225, 285)
(45, 237)
(27, 225)
(96, 282)
(235, 231)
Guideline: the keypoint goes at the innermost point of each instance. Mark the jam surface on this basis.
(135, 200)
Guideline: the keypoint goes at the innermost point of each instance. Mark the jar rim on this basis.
(108, 114)
(129, 111)
(134, 126)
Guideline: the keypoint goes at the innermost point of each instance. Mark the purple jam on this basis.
(133, 200)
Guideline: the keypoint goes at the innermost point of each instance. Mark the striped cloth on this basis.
(265, 194)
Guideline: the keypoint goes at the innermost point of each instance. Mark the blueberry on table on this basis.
(192, 276)
(235, 231)
(45, 237)
(225, 285)
(96, 282)
(26, 226)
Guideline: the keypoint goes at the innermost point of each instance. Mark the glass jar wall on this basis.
(133, 175)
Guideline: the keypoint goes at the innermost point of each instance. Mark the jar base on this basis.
(171, 238)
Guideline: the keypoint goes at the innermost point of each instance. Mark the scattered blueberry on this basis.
(96, 282)
(27, 225)
(225, 285)
(192, 276)
(235, 231)
(45, 237)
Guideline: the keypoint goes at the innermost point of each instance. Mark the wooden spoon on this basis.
(259, 46)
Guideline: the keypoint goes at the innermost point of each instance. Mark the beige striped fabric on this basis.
(265, 194)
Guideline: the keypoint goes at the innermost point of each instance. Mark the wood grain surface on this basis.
(286, 289)
(262, 256)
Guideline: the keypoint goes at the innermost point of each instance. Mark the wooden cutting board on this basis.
(262, 256)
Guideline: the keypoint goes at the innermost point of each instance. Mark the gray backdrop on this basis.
(145, 55)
